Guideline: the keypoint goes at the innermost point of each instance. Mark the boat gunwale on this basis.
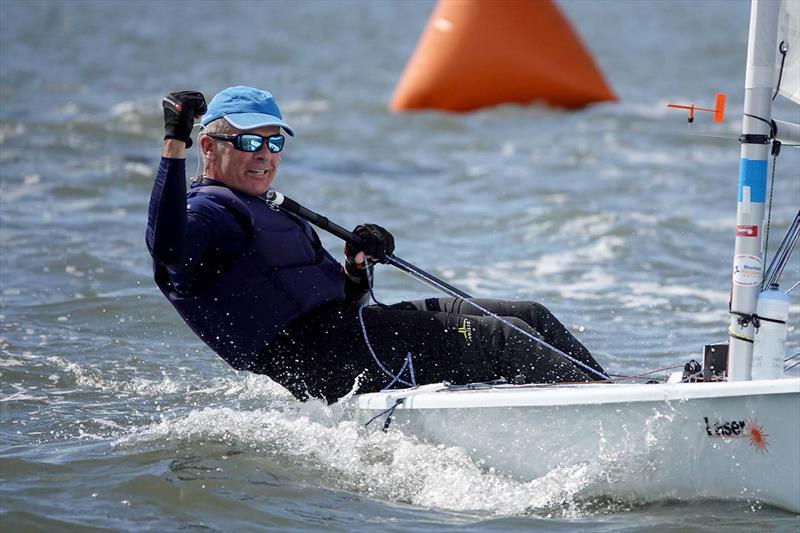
(439, 396)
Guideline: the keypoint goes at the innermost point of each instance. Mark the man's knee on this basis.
(516, 324)
(538, 310)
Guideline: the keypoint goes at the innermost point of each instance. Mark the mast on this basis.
(748, 257)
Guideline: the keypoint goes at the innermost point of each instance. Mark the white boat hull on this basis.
(738, 440)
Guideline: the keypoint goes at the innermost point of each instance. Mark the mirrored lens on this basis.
(250, 143)
(275, 143)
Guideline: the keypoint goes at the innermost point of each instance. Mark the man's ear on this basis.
(207, 146)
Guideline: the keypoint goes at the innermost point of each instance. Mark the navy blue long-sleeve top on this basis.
(195, 242)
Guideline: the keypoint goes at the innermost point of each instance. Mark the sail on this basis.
(789, 32)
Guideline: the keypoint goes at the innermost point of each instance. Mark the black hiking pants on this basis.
(448, 339)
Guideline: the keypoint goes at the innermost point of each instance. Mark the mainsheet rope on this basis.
(408, 362)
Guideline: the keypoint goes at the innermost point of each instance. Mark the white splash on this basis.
(389, 466)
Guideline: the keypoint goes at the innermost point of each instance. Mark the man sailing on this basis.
(255, 283)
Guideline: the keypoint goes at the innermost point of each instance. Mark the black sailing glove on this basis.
(376, 242)
(180, 110)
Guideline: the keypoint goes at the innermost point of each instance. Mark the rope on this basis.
(773, 128)
(370, 283)
(792, 365)
(408, 362)
(769, 210)
(690, 377)
(388, 420)
(395, 378)
(737, 336)
(782, 48)
(502, 382)
(643, 374)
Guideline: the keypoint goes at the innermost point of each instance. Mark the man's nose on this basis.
(263, 152)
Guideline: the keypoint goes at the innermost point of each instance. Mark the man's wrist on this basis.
(174, 149)
(354, 271)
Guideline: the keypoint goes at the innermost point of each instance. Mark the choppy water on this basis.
(114, 416)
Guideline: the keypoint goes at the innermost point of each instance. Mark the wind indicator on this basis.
(718, 111)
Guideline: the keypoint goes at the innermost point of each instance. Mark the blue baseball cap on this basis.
(245, 108)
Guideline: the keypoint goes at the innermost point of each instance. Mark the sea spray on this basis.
(389, 466)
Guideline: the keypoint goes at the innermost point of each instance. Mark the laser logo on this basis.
(739, 429)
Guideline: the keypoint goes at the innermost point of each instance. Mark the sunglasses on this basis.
(250, 142)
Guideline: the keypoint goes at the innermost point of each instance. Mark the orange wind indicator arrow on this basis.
(719, 108)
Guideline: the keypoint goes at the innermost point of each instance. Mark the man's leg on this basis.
(322, 355)
(464, 348)
(537, 316)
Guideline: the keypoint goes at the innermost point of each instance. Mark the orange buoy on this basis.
(478, 53)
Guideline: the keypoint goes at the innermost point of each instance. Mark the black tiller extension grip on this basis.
(276, 198)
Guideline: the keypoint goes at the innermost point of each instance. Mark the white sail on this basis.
(789, 32)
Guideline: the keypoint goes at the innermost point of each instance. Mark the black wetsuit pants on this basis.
(448, 339)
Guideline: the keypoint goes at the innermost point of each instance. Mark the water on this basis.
(114, 416)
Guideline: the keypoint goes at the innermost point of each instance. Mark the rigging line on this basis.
(479, 385)
(770, 123)
(400, 373)
(690, 377)
(407, 363)
(783, 253)
(791, 367)
(389, 410)
(623, 378)
(693, 132)
(793, 286)
(769, 210)
(782, 48)
(736, 335)
(395, 378)
(370, 283)
(486, 312)
(614, 378)
(411, 368)
(759, 138)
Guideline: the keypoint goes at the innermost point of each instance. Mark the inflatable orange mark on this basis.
(478, 53)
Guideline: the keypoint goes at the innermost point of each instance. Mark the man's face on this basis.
(249, 172)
